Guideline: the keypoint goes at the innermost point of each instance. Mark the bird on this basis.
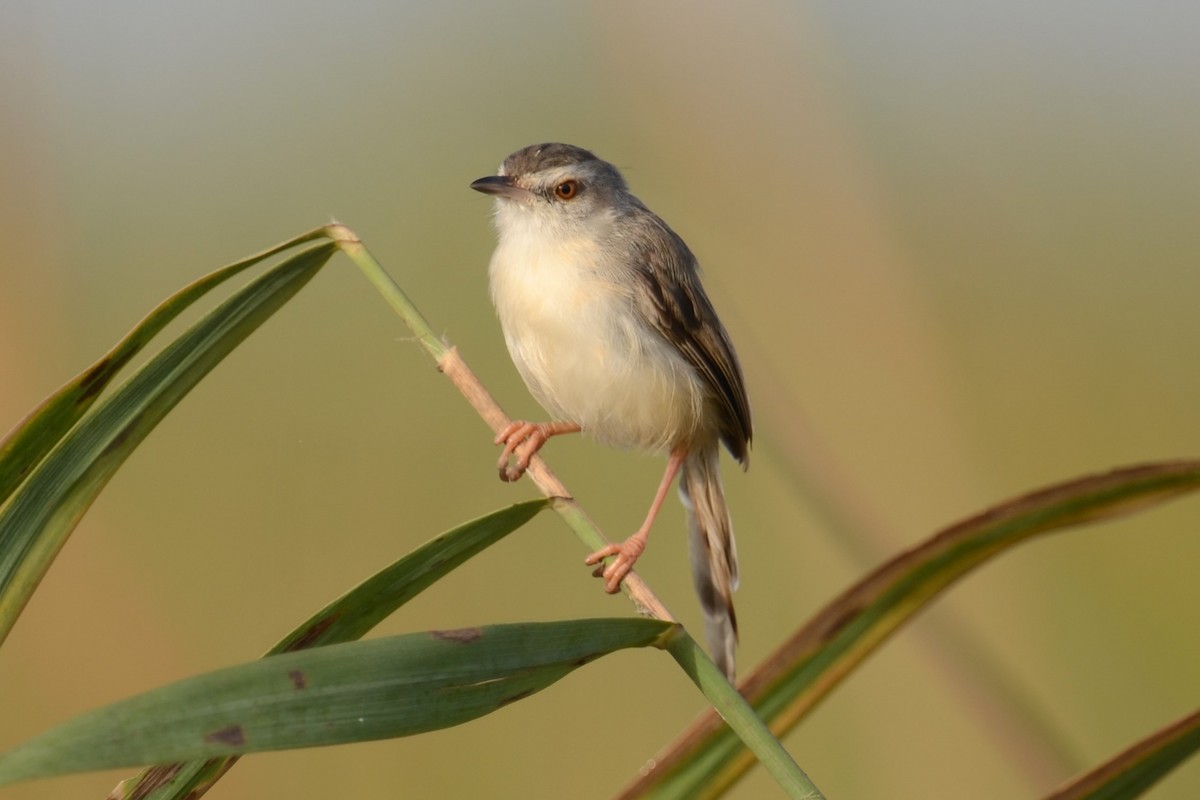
(607, 322)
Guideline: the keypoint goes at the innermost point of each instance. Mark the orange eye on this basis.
(566, 190)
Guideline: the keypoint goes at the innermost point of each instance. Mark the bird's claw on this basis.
(520, 439)
(627, 554)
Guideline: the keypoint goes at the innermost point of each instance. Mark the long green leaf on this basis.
(31, 438)
(354, 692)
(740, 717)
(366, 605)
(42, 512)
(708, 758)
(1132, 772)
(346, 619)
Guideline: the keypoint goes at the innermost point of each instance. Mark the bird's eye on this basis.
(566, 190)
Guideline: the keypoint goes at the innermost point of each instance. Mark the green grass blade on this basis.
(346, 619)
(708, 758)
(42, 512)
(353, 692)
(740, 717)
(33, 437)
(366, 605)
(1135, 770)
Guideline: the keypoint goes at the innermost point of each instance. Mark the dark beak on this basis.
(501, 186)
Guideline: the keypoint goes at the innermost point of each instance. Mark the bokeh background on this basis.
(955, 243)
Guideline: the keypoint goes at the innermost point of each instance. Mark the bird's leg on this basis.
(524, 439)
(628, 551)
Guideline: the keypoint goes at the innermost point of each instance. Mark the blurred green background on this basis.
(956, 245)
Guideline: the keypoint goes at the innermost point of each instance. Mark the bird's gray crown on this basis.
(539, 158)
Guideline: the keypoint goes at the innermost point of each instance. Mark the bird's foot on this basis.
(522, 440)
(627, 553)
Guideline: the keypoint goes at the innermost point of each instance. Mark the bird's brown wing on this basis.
(677, 307)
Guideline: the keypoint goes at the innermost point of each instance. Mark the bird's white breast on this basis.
(569, 322)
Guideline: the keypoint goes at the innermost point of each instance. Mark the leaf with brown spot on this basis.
(232, 735)
(309, 635)
(359, 610)
(461, 635)
(358, 691)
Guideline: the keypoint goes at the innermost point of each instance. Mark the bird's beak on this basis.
(501, 186)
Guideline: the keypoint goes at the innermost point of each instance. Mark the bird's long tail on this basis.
(714, 554)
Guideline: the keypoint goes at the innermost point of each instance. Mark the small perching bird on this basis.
(606, 320)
